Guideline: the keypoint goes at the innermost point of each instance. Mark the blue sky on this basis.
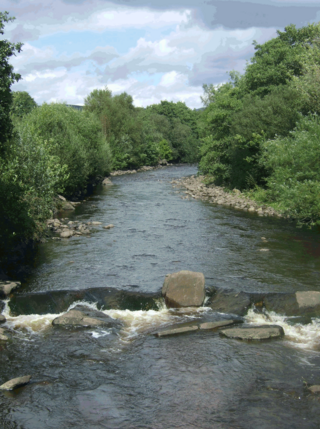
(154, 50)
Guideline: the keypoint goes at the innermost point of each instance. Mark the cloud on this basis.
(181, 45)
(200, 54)
(33, 59)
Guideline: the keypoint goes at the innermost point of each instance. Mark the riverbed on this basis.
(96, 379)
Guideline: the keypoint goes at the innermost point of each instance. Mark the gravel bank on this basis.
(195, 188)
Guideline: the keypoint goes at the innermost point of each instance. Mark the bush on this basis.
(29, 181)
(77, 139)
(294, 165)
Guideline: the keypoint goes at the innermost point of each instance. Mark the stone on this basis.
(228, 301)
(294, 304)
(176, 331)
(264, 250)
(184, 289)
(7, 287)
(251, 209)
(66, 205)
(107, 182)
(2, 319)
(314, 389)
(263, 332)
(108, 226)
(16, 382)
(62, 198)
(216, 325)
(96, 223)
(66, 234)
(84, 317)
(308, 299)
(3, 337)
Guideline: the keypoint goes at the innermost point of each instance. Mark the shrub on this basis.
(294, 165)
(78, 142)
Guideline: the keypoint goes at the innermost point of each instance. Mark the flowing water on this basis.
(95, 378)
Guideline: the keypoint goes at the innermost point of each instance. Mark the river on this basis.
(95, 379)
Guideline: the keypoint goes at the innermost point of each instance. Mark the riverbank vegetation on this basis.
(55, 149)
(258, 133)
(261, 129)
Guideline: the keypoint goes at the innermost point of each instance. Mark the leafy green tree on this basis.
(277, 61)
(7, 79)
(294, 165)
(165, 150)
(22, 104)
(182, 133)
(77, 138)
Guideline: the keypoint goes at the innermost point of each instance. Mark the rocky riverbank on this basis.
(195, 188)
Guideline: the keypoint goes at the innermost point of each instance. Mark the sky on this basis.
(153, 50)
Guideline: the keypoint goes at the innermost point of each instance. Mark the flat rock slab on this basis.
(84, 317)
(217, 325)
(314, 389)
(7, 287)
(16, 382)
(264, 332)
(184, 289)
(176, 331)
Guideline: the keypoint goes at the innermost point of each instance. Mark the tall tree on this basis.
(7, 78)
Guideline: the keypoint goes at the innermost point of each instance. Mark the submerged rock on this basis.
(294, 304)
(184, 289)
(16, 382)
(108, 226)
(264, 332)
(85, 317)
(228, 301)
(7, 287)
(175, 331)
(217, 325)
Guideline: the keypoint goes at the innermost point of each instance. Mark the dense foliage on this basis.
(144, 136)
(248, 123)
(7, 78)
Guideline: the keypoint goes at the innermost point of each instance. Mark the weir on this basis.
(98, 377)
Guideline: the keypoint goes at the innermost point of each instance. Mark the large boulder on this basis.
(184, 289)
(2, 318)
(263, 332)
(229, 301)
(84, 317)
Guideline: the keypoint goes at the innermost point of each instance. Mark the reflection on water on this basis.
(92, 378)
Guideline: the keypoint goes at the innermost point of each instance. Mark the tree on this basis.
(7, 79)
(277, 61)
(22, 104)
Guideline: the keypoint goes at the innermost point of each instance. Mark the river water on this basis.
(97, 379)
